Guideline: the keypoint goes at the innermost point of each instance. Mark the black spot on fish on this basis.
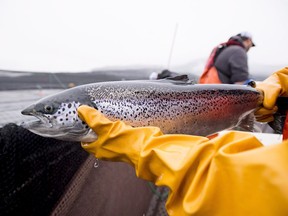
(59, 112)
(61, 119)
(63, 109)
(66, 119)
(69, 105)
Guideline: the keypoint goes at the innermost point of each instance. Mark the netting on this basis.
(34, 171)
(42, 176)
(280, 115)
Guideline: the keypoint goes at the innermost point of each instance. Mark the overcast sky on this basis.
(81, 35)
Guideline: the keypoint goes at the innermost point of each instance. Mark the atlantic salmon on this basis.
(175, 106)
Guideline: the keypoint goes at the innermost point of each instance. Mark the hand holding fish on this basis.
(192, 167)
(274, 86)
(116, 141)
(195, 167)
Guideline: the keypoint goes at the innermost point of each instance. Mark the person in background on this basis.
(232, 174)
(228, 61)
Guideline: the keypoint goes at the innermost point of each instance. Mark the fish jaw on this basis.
(66, 134)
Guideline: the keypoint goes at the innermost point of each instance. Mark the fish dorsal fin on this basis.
(178, 80)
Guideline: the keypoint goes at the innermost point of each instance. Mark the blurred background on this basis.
(93, 35)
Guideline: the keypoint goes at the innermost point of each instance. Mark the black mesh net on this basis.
(280, 115)
(34, 171)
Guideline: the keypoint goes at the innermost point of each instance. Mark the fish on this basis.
(175, 106)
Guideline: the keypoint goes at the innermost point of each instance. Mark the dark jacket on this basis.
(232, 63)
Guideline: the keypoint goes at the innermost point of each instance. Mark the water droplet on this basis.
(96, 164)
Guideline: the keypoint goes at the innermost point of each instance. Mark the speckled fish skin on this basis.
(175, 107)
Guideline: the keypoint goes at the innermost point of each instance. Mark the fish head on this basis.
(58, 120)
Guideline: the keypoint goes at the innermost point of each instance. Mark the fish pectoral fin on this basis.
(246, 123)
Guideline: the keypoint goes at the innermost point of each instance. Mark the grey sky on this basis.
(73, 35)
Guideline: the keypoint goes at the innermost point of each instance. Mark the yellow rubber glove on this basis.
(274, 86)
(228, 175)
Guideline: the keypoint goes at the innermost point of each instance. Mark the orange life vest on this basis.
(210, 76)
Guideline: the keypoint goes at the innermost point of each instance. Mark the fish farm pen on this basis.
(45, 176)
(48, 177)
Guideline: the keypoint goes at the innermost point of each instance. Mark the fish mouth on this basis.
(39, 122)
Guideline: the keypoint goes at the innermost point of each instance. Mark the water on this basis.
(13, 102)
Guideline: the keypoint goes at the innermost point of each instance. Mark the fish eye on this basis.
(48, 108)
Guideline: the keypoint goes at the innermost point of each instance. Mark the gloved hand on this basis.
(115, 138)
(204, 176)
(274, 86)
